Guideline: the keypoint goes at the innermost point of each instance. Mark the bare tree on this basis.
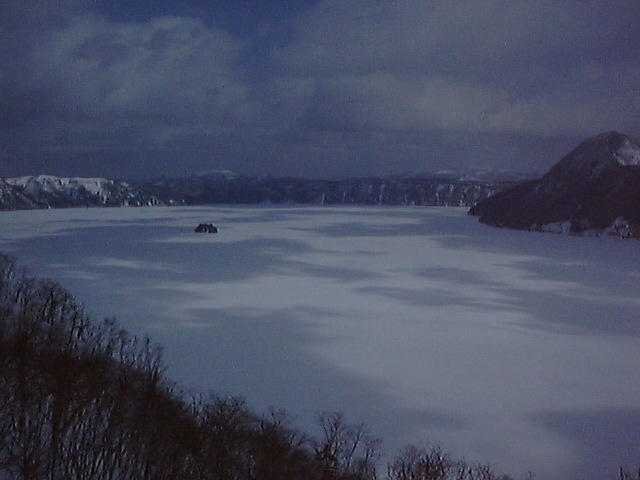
(346, 449)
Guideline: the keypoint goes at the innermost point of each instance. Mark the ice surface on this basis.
(515, 348)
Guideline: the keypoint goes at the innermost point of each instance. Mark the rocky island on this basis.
(206, 228)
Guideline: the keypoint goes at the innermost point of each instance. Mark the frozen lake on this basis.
(515, 348)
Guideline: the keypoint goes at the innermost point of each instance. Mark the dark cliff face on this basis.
(359, 191)
(595, 188)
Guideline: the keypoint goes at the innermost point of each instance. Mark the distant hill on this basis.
(595, 189)
(45, 191)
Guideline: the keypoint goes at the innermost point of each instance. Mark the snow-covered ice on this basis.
(515, 348)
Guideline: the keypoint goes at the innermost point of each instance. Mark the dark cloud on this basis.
(471, 37)
(95, 85)
(542, 68)
(334, 88)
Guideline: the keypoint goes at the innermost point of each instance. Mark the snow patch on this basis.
(619, 228)
(558, 227)
(628, 154)
(227, 174)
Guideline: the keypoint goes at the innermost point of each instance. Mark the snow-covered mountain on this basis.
(595, 189)
(47, 191)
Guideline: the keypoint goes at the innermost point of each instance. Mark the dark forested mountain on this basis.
(45, 191)
(594, 189)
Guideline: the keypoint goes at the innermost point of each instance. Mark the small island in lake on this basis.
(206, 228)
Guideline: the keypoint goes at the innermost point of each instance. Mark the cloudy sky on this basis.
(319, 88)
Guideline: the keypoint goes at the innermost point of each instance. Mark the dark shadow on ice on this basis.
(275, 213)
(589, 261)
(609, 311)
(560, 312)
(103, 265)
(599, 277)
(605, 439)
(615, 273)
(454, 275)
(189, 261)
(266, 358)
(354, 229)
(141, 220)
(424, 296)
(339, 274)
(92, 248)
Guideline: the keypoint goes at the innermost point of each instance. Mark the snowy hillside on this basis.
(46, 191)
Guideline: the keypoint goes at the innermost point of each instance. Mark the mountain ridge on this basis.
(47, 191)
